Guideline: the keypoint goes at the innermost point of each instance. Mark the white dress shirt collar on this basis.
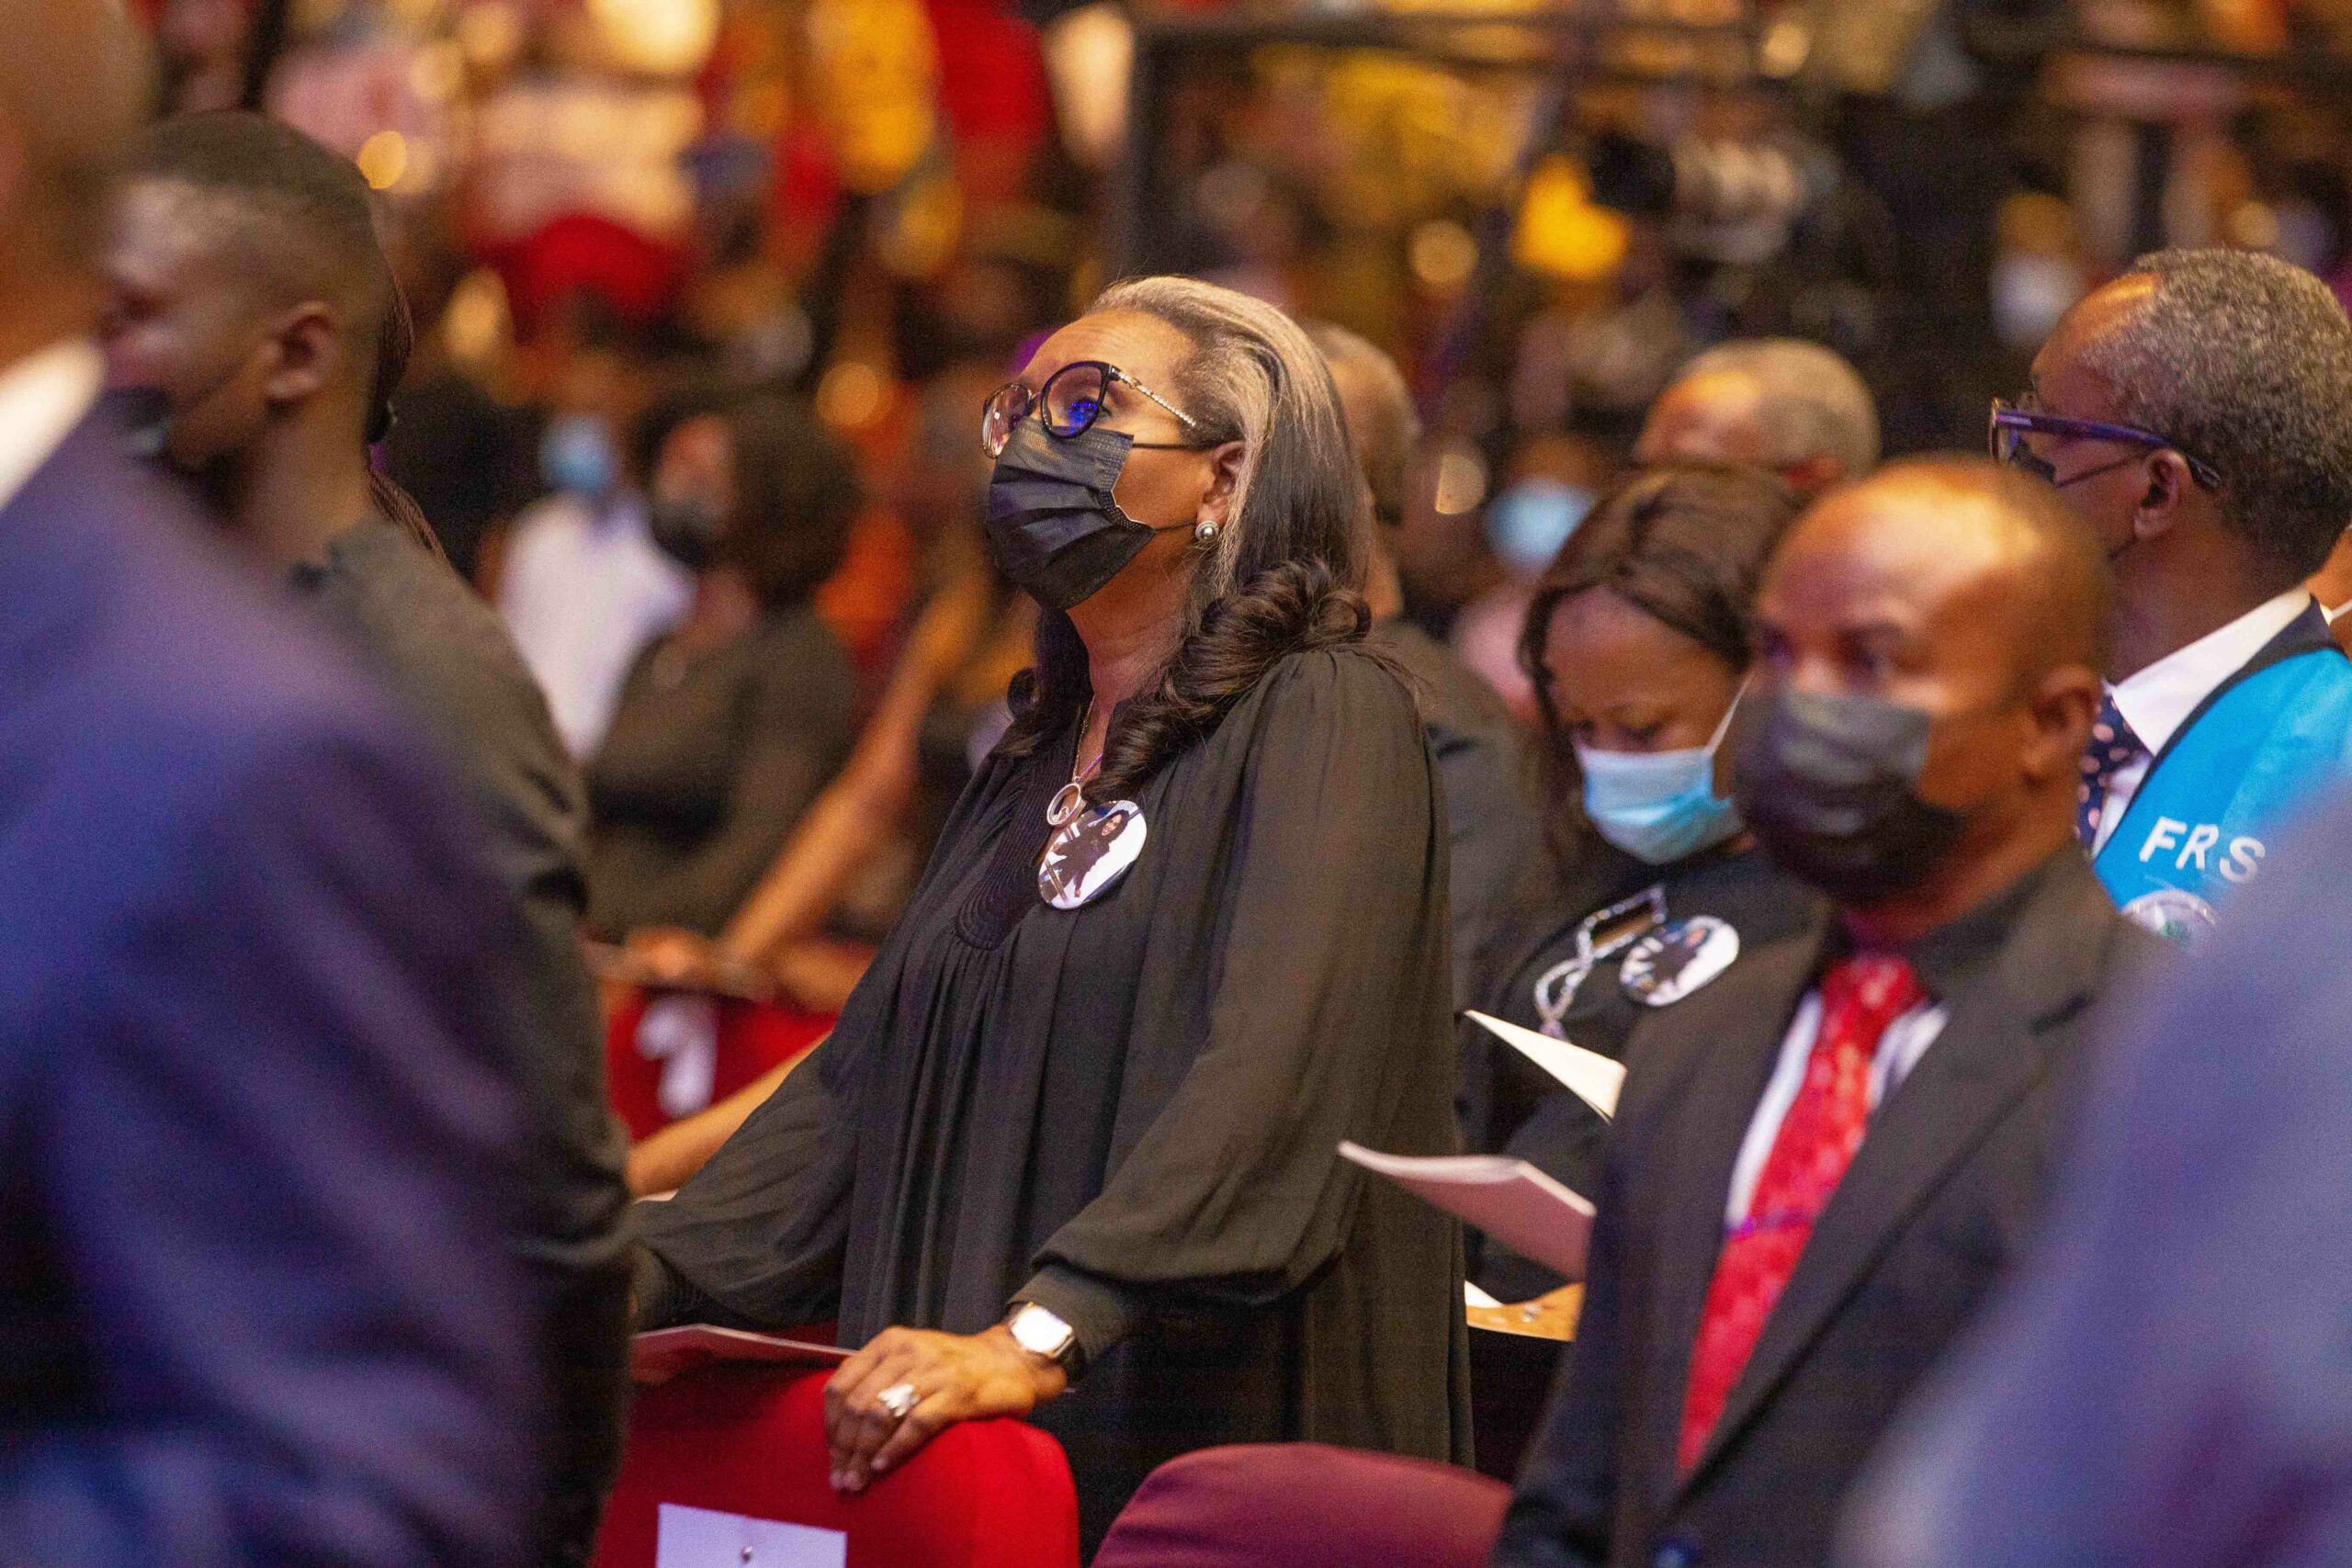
(2158, 700)
(42, 397)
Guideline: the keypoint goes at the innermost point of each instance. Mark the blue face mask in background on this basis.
(576, 456)
(1528, 522)
(1658, 806)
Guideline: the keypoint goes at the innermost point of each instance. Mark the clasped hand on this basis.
(956, 1377)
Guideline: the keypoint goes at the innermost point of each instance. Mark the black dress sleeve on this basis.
(759, 1232)
(1329, 965)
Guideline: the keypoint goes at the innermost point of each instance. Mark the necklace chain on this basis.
(1070, 798)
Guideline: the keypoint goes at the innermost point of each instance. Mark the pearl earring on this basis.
(1204, 531)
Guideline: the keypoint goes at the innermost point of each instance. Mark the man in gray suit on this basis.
(2169, 1381)
(1823, 1160)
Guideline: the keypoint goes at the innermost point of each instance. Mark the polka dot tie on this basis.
(1860, 997)
(2112, 748)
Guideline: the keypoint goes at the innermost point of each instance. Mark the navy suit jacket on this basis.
(256, 1122)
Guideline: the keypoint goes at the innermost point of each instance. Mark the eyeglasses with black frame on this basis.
(1072, 399)
(2006, 429)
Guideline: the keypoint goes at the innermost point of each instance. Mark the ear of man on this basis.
(2062, 704)
(310, 352)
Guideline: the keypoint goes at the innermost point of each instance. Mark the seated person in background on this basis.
(1822, 1162)
(1780, 403)
(238, 240)
(1492, 837)
(1637, 644)
(730, 726)
(2193, 412)
(580, 582)
(941, 712)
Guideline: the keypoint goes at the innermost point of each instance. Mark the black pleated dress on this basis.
(1128, 1112)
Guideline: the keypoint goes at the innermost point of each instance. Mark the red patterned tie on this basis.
(1859, 997)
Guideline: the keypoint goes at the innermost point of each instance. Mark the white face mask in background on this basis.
(1527, 524)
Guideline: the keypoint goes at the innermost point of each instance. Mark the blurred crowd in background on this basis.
(625, 227)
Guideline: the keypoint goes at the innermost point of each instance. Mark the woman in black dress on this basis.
(1077, 1154)
(1636, 640)
(729, 725)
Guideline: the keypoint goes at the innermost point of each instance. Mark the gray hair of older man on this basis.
(1384, 425)
(1813, 402)
(2245, 361)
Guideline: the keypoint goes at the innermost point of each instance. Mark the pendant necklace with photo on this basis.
(1070, 798)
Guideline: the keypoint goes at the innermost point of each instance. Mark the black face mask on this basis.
(1052, 524)
(1828, 784)
(686, 531)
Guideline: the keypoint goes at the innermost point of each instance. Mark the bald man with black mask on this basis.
(257, 1304)
(250, 292)
(1823, 1161)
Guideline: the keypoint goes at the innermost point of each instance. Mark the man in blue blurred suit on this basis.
(257, 1118)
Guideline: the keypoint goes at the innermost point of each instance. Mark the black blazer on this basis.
(1930, 1215)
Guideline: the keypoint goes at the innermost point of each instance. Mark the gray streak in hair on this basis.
(1255, 378)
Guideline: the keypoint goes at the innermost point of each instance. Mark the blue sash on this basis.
(2204, 820)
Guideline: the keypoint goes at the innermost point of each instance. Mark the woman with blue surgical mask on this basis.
(1636, 643)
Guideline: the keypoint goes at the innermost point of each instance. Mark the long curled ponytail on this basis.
(1285, 573)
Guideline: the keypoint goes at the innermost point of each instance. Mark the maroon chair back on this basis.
(745, 1440)
(1306, 1506)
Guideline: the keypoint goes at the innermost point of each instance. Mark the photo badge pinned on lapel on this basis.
(1089, 852)
(1676, 960)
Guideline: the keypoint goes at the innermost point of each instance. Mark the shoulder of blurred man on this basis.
(149, 672)
(224, 868)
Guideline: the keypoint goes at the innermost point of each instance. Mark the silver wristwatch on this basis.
(1041, 1332)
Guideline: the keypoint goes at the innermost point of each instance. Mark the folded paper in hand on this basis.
(1508, 1199)
(1591, 1077)
(660, 1354)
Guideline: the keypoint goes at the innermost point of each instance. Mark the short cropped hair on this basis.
(1814, 401)
(2245, 361)
(307, 222)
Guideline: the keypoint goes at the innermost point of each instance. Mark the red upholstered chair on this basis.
(1306, 1506)
(748, 1039)
(746, 1439)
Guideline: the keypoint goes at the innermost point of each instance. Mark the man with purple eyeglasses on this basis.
(2195, 412)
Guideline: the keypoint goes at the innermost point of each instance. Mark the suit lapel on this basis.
(1989, 1052)
(1732, 1031)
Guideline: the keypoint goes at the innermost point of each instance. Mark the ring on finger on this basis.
(898, 1401)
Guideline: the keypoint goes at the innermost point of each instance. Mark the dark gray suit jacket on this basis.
(1931, 1212)
(2168, 1382)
